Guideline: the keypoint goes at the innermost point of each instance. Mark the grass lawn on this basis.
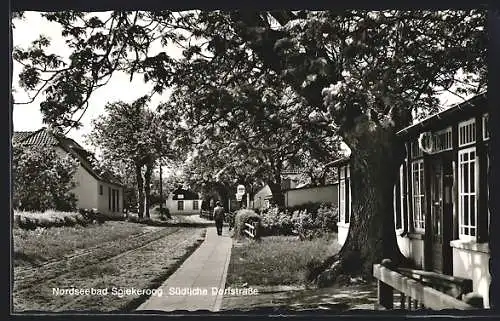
(276, 266)
(127, 263)
(34, 247)
(276, 260)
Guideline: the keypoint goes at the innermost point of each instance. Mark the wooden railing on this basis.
(415, 289)
(251, 229)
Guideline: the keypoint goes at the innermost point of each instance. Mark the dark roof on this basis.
(36, 138)
(307, 186)
(448, 116)
(45, 137)
(188, 194)
(19, 136)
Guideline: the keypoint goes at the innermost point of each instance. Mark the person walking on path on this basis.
(219, 217)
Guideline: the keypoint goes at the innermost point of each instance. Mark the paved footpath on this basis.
(191, 286)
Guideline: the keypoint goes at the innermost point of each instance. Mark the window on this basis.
(488, 189)
(195, 205)
(344, 195)
(342, 206)
(348, 198)
(399, 200)
(467, 132)
(415, 150)
(467, 205)
(486, 128)
(109, 198)
(117, 200)
(442, 140)
(180, 205)
(114, 201)
(418, 195)
(100, 190)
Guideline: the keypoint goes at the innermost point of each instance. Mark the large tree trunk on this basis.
(147, 189)
(376, 155)
(278, 198)
(140, 190)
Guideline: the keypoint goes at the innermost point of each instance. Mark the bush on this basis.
(163, 213)
(92, 215)
(308, 221)
(42, 179)
(242, 217)
(34, 220)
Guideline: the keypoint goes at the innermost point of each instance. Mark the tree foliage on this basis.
(259, 90)
(136, 137)
(43, 180)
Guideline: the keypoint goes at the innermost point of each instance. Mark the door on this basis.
(437, 216)
(441, 215)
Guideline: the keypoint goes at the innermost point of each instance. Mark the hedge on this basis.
(51, 218)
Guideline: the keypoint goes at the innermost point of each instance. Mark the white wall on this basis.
(474, 265)
(87, 191)
(188, 207)
(343, 229)
(301, 196)
(103, 200)
(260, 196)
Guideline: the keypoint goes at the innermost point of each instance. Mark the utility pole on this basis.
(161, 189)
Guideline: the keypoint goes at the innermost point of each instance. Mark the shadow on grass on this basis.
(22, 258)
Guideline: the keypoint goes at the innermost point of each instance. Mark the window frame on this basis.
(447, 132)
(398, 202)
(180, 205)
(418, 217)
(461, 232)
(197, 207)
(109, 198)
(461, 138)
(485, 130)
(342, 201)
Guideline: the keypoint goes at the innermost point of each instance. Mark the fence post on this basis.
(385, 295)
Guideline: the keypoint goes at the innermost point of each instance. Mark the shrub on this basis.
(163, 213)
(244, 216)
(33, 220)
(308, 221)
(42, 179)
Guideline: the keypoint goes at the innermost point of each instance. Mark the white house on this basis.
(441, 199)
(93, 191)
(184, 202)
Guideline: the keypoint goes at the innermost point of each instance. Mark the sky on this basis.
(29, 118)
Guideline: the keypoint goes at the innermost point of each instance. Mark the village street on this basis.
(282, 160)
(196, 284)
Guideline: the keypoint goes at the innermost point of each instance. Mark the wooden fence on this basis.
(418, 289)
(251, 229)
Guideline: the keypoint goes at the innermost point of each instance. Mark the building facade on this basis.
(184, 202)
(93, 190)
(441, 210)
(441, 199)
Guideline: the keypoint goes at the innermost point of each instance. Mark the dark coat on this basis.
(219, 213)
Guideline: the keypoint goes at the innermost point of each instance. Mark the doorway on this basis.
(441, 224)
